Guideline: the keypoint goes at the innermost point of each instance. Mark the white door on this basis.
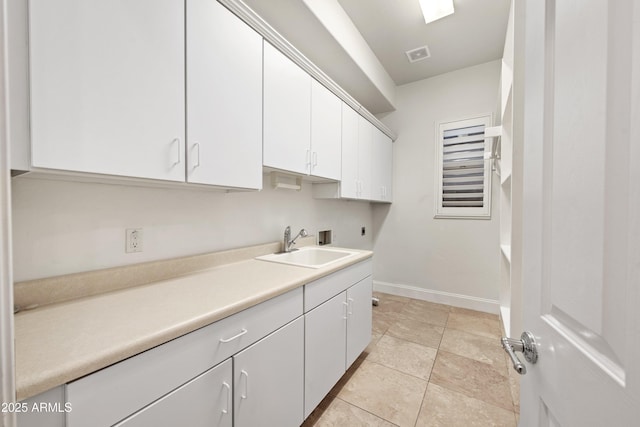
(107, 86)
(224, 98)
(581, 235)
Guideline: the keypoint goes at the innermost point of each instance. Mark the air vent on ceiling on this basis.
(418, 54)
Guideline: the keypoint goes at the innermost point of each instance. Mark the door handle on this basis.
(246, 384)
(525, 345)
(228, 387)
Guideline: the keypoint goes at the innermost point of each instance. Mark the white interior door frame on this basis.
(7, 377)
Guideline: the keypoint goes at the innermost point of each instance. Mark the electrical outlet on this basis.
(133, 238)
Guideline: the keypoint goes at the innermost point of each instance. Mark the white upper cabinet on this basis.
(326, 119)
(366, 162)
(287, 113)
(224, 98)
(107, 87)
(365, 158)
(349, 183)
(381, 177)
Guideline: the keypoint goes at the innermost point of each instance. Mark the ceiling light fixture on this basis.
(432, 10)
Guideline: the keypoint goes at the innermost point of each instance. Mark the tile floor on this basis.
(427, 365)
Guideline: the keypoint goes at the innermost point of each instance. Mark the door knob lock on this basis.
(525, 345)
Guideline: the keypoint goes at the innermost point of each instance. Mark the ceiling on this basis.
(473, 35)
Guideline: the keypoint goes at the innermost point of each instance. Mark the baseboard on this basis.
(505, 317)
(456, 300)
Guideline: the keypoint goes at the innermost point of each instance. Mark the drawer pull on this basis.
(346, 309)
(225, 385)
(244, 331)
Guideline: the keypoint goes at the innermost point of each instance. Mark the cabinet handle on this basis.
(246, 384)
(225, 385)
(350, 306)
(177, 142)
(241, 333)
(197, 145)
(346, 309)
(315, 158)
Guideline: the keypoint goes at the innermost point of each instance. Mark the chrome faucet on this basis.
(288, 241)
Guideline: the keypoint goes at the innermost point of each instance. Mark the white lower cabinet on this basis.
(268, 380)
(268, 365)
(324, 349)
(358, 319)
(336, 331)
(205, 401)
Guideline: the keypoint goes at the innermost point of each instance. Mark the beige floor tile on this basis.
(335, 412)
(426, 312)
(404, 356)
(390, 302)
(382, 320)
(478, 325)
(416, 331)
(385, 392)
(384, 296)
(433, 306)
(476, 347)
(446, 408)
(375, 337)
(472, 378)
(514, 383)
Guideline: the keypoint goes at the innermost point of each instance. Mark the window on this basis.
(463, 171)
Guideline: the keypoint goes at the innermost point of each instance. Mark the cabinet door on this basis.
(365, 158)
(386, 167)
(324, 349)
(205, 401)
(107, 86)
(358, 319)
(326, 119)
(287, 113)
(349, 181)
(268, 379)
(382, 166)
(224, 98)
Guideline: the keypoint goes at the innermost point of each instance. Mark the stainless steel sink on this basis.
(309, 256)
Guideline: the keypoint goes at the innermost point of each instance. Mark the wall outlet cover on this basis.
(133, 240)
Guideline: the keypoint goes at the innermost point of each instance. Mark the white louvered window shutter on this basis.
(463, 170)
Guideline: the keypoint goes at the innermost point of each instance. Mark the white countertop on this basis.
(58, 343)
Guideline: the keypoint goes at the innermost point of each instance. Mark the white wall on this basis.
(449, 260)
(64, 227)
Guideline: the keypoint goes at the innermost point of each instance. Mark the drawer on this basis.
(319, 291)
(111, 394)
